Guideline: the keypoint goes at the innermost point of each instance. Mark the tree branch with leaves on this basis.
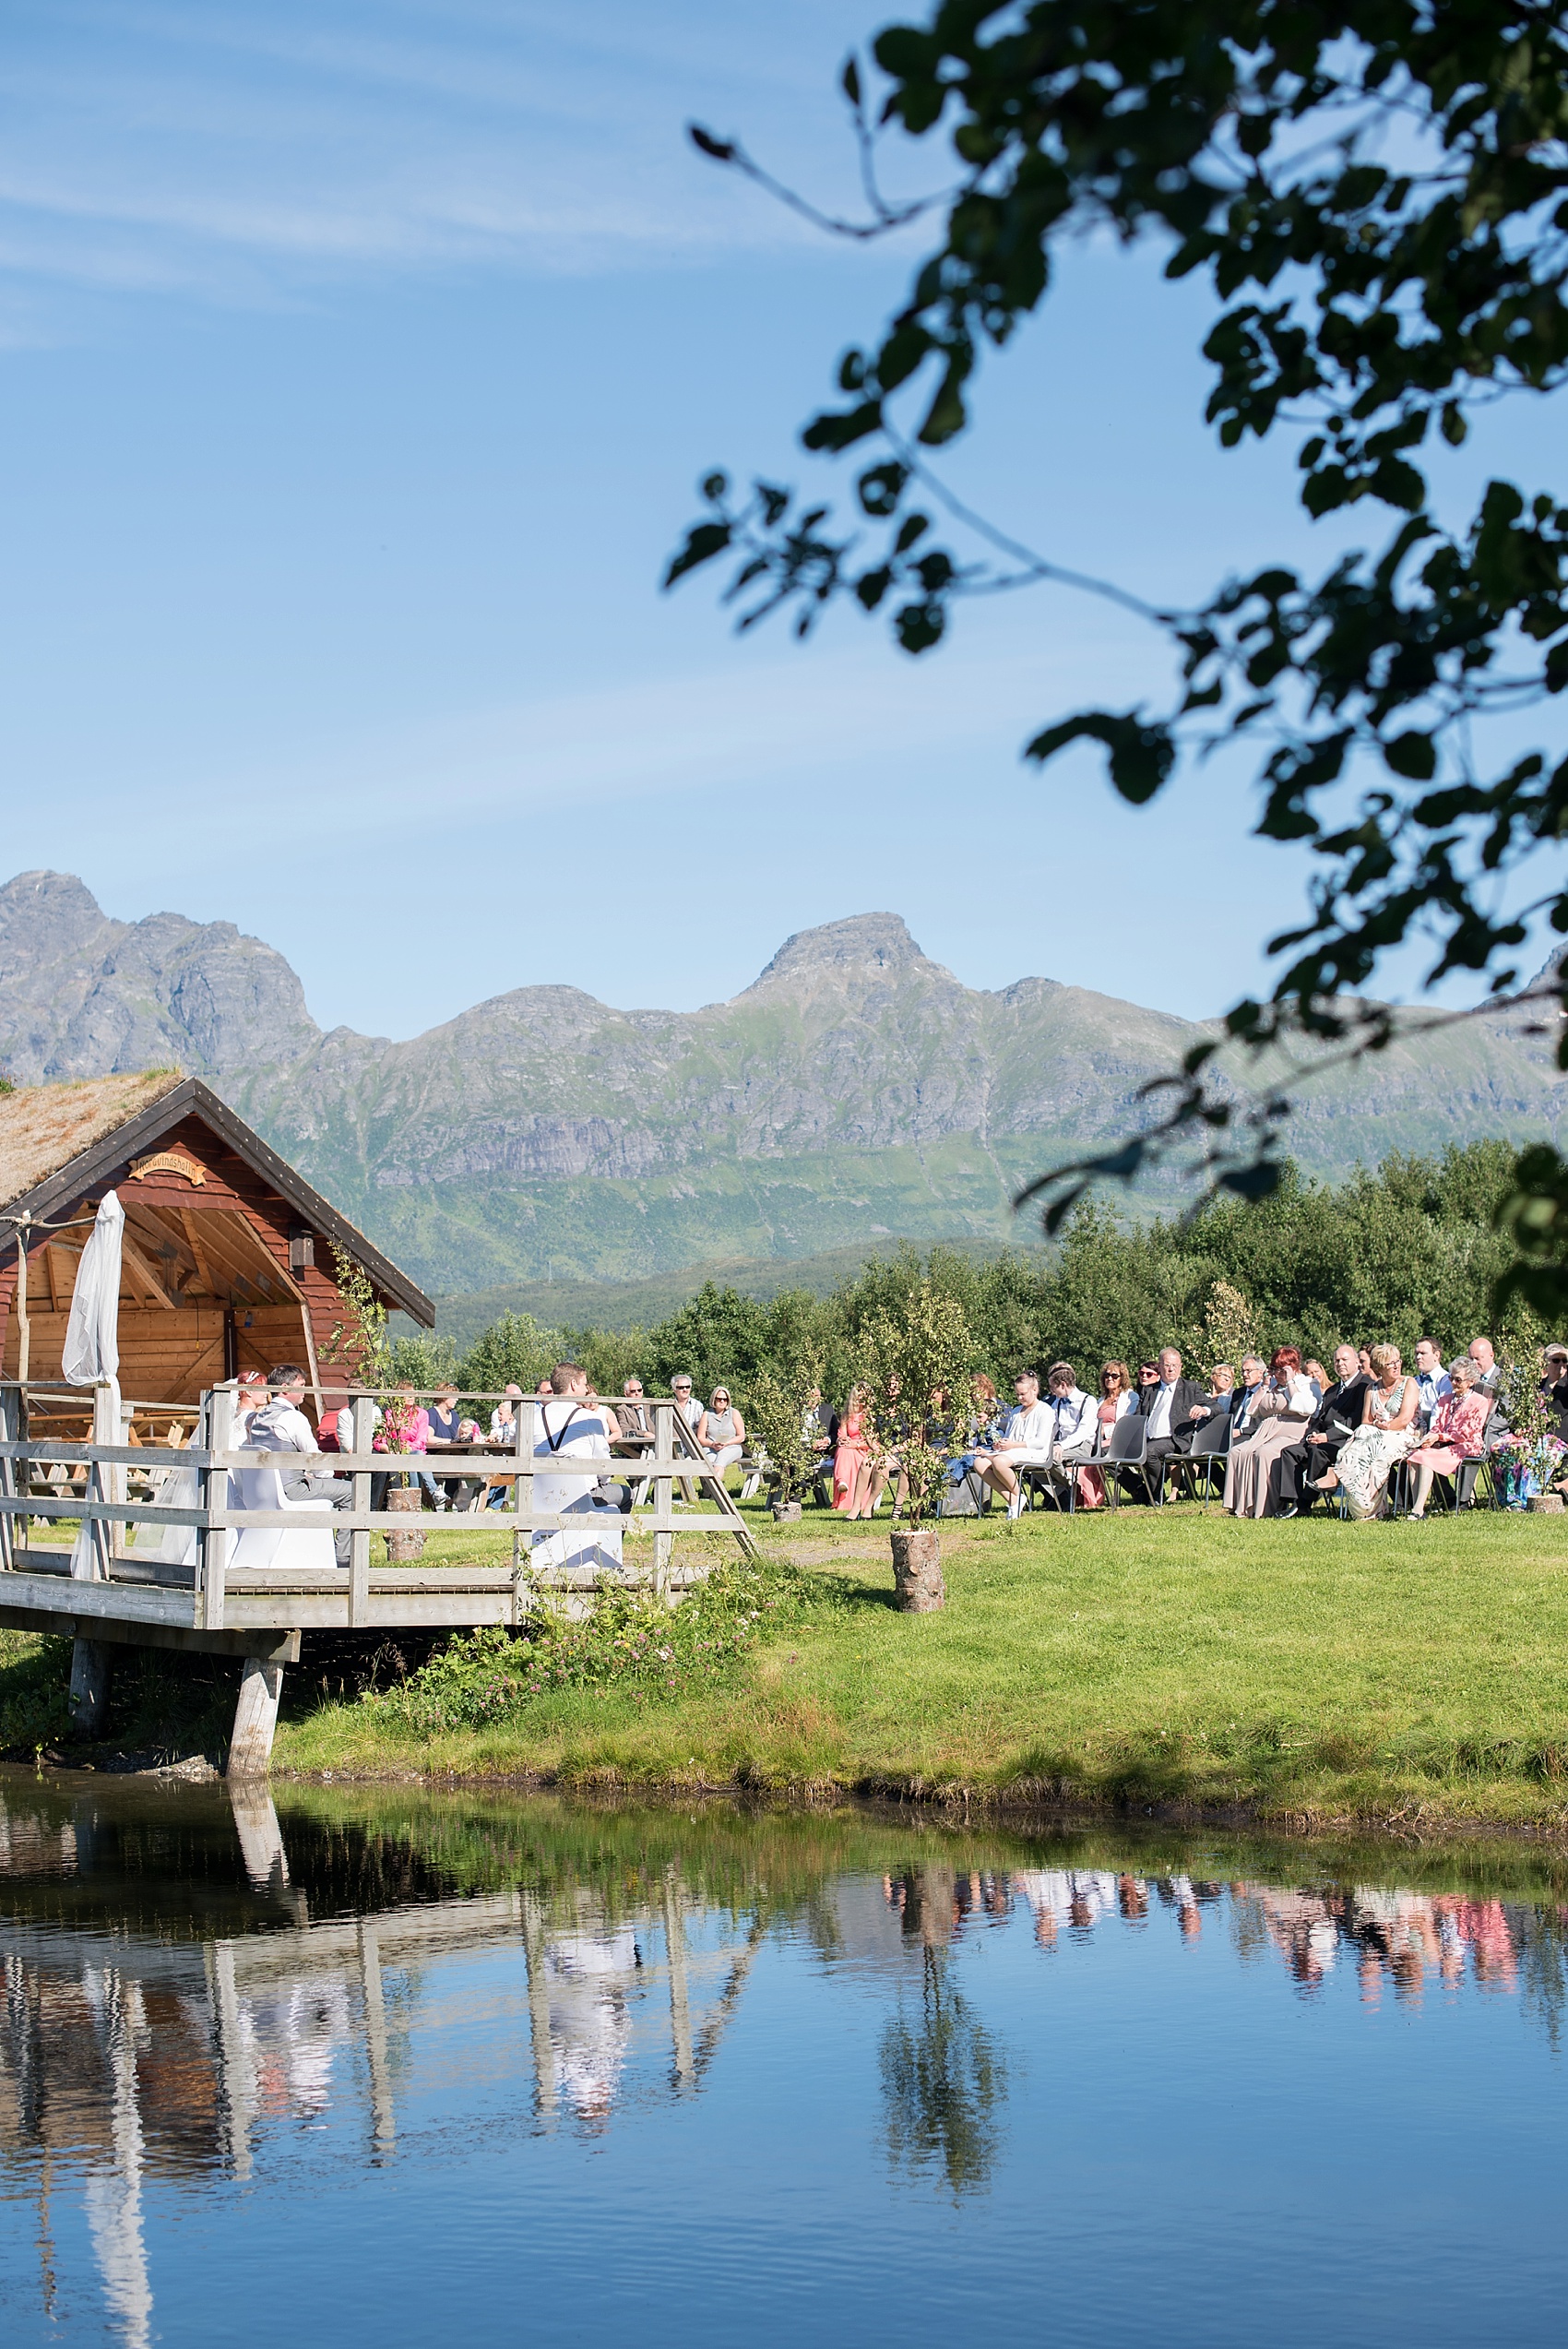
(1377, 191)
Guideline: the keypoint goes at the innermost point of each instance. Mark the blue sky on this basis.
(356, 366)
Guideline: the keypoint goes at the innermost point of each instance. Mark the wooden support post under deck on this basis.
(255, 1718)
(92, 1663)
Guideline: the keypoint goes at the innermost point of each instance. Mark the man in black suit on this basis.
(1166, 1409)
(1329, 1428)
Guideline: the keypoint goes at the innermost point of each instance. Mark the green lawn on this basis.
(1303, 1671)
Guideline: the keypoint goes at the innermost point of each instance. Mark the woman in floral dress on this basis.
(1386, 1433)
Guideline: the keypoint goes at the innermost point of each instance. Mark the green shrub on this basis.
(631, 1637)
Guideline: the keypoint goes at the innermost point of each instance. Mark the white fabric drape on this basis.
(92, 1333)
(92, 1359)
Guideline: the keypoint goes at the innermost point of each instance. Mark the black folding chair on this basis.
(1209, 1451)
(1040, 1483)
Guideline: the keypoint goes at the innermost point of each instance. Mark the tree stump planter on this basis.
(786, 1512)
(403, 1548)
(917, 1571)
(1546, 1504)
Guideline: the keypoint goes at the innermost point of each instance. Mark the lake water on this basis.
(371, 2068)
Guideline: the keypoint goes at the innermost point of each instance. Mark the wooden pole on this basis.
(664, 1490)
(255, 1718)
(24, 1328)
(215, 1540)
(10, 1430)
(92, 1663)
(358, 1541)
(524, 1439)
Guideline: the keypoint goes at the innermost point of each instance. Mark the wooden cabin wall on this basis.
(170, 1356)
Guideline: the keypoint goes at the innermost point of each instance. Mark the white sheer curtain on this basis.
(92, 1359)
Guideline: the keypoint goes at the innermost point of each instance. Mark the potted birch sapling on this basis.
(777, 1413)
(916, 1368)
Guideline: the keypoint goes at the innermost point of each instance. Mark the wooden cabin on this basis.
(228, 1259)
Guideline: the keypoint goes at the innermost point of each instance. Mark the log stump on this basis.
(917, 1571)
(403, 1548)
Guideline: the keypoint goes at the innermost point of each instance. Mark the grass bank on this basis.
(1303, 1672)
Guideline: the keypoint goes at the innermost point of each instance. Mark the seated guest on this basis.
(689, 1407)
(1165, 1407)
(1385, 1435)
(1316, 1376)
(1364, 1362)
(816, 1423)
(251, 1397)
(633, 1418)
(1327, 1431)
(1221, 1390)
(406, 1430)
(1116, 1399)
(1248, 1396)
(1073, 1425)
(1431, 1380)
(1489, 1381)
(279, 1425)
(1025, 1442)
(504, 1418)
(858, 1475)
(985, 1419)
(1457, 1432)
(447, 1425)
(1279, 1413)
(721, 1432)
(1554, 1385)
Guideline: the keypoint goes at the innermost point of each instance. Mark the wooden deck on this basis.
(118, 1597)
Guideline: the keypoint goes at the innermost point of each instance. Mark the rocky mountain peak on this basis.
(47, 918)
(868, 947)
(85, 995)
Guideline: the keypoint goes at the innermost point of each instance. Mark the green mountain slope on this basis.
(855, 1091)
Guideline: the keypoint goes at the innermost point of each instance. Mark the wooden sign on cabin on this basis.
(168, 1161)
(219, 1261)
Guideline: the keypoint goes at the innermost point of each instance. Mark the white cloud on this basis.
(235, 152)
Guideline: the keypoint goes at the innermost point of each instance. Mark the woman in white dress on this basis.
(1279, 1416)
(1387, 1431)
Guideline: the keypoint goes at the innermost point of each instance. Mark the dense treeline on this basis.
(1405, 1252)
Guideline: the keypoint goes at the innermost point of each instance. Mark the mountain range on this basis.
(855, 1091)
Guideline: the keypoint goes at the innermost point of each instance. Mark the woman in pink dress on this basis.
(858, 1476)
(1115, 1399)
(1458, 1426)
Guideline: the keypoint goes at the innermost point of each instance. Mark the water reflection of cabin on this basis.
(227, 1263)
